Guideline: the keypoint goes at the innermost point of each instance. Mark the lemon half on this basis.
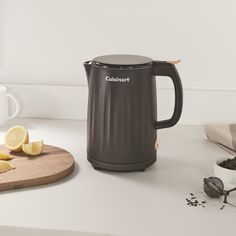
(15, 137)
(33, 149)
(5, 156)
(5, 166)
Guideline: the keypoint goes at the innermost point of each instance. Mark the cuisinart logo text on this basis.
(117, 79)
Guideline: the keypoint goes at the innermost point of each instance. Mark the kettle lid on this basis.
(122, 60)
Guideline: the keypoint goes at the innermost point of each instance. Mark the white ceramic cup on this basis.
(226, 175)
(4, 105)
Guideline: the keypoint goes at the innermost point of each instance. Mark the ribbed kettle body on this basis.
(121, 115)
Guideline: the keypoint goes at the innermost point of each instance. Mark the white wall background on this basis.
(46, 41)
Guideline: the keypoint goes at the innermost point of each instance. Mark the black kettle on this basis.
(122, 110)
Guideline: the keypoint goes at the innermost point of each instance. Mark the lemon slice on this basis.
(33, 149)
(5, 156)
(5, 166)
(15, 137)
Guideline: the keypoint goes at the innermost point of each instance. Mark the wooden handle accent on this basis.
(174, 62)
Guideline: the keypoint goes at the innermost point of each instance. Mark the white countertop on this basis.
(139, 203)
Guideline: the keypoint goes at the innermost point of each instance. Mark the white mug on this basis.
(4, 105)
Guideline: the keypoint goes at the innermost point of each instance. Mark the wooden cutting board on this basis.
(51, 165)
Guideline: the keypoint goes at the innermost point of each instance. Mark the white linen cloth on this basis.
(223, 135)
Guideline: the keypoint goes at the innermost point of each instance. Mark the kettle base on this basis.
(100, 165)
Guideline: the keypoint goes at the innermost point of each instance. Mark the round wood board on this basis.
(51, 165)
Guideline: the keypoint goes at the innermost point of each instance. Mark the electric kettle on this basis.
(122, 110)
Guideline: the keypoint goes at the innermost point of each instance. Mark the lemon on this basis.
(33, 149)
(5, 166)
(5, 156)
(15, 137)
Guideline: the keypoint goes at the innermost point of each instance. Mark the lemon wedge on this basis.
(5, 156)
(33, 149)
(5, 166)
(15, 137)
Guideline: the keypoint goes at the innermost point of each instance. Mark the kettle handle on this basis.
(163, 68)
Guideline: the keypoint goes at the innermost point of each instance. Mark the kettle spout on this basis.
(87, 66)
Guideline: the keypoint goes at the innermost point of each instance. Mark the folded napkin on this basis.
(224, 135)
